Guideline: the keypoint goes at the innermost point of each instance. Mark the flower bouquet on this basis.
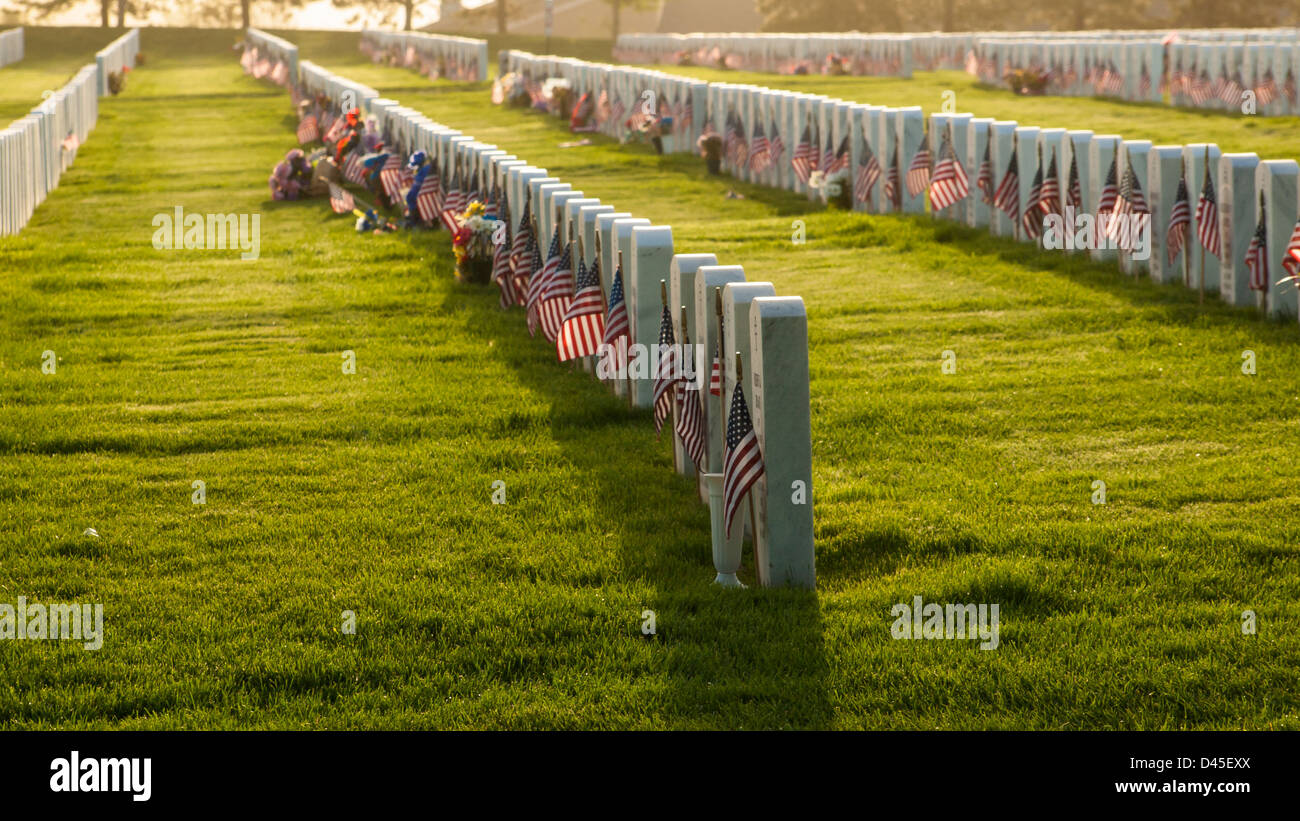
(558, 96)
(834, 188)
(710, 146)
(472, 245)
(1027, 81)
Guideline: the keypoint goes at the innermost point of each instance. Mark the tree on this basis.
(617, 9)
(40, 9)
(387, 11)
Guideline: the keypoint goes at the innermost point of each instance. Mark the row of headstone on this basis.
(11, 46)
(1128, 69)
(861, 54)
(1237, 182)
(117, 56)
(619, 92)
(339, 91)
(36, 149)
(829, 126)
(433, 55)
(767, 333)
(270, 57)
(1256, 75)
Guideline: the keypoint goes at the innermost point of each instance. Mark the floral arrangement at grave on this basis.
(650, 128)
(139, 59)
(833, 188)
(1027, 81)
(583, 117)
(558, 96)
(510, 90)
(117, 80)
(710, 147)
(835, 66)
(472, 244)
(683, 58)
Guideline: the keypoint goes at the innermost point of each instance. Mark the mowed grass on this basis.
(51, 57)
(372, 492)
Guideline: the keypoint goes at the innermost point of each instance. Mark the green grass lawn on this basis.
(371, 492)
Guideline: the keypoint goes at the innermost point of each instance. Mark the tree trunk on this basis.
(121, 13)
(408, 4)
(618, 7)
(103, 12)
(501, 16)
(245, 9)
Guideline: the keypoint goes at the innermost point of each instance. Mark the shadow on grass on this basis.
(742, 659)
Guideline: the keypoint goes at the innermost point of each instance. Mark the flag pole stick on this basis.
(672, 417)
(1015, 152)
(1187, 229)
(686, 344)
(1200, 284)
(753, 513)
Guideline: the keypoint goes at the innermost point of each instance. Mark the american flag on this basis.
(541, 273)
(740, 150)
(426, 201)
(1144, 82)
(1131, 202)
(1007, 198)
(743, 462)
(760, 156)
(688, 113)
(308, 131)
(841, 160)
(1266, 89)
(352, 168)
(1049, 199)
(1231, 93)
(1199, 89)
(1110, 190)
(335, 130)
(341, 200)
(616, 325)
(715, 377)
(502, 274)
(519, 248)
(666, 376)
(1075, 192)
(949, 184)
(528, 273)
(828, 157)
(776, 146)
(1207, 218)
(1221, 84)
(1180, 218)
(690, 424)
(893, 188)
(868, 173)
(1291, 257)
(557, 295)
(390, 177)
(453, 204)
(804, 159)
(918, 173)
(70, 142)
(984, 182)
(583, 327)
(1257, 252)
(1289, 87)
(1032, 219)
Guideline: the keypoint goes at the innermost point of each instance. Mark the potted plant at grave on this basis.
(472, 245)
(833, 188)
(710, 145)
(1027, 82)
(683, 58)
(835, 65)
(558, 96)
(116, 82)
